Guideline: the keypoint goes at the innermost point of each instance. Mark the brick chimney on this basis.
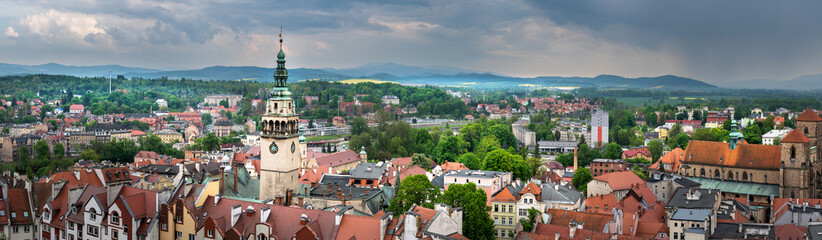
(575, 161)
(303, 219)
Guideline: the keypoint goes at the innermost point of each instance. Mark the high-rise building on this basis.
(599, 128)
(280, 157)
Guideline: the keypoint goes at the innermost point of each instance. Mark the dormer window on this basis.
(115, 218)
(93, 214)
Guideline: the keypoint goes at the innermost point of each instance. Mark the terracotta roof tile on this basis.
(674, 157)
(601, 204)
(339, 158)
(503, 195)
(531, 188)
(359, 227)
(809, 115)
(620, 180)
(19, 204)
(791, 231)
(744, 156)
(592, 221)
(795, 136)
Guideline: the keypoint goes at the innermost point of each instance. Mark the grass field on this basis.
(355, 81)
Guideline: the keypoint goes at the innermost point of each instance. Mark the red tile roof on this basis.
(744, 156)
(453, 166)
(795, 136)
(674, 157)
(401, 162)
(503, 196)
(601, 203)
(644, 152)
(549, 231)
(19, 204)
(339, 158)
(620, 180)
(359, 227)
(791, 231)
(531, 188)
(809, 115)
(592, 221)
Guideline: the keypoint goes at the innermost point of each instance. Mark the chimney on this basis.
(456, 214)
(303, 219)
(384, 220)
(575, 162)
(739, 228)
(217, 198)
(222, 179)
(572, 226)
(556, 236)
(249, 211)
(411, 223)
(235, 178)
(339, 215)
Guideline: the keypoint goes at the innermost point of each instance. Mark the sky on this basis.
(713, 41)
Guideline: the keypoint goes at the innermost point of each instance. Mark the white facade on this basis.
(769, 137)
(599, 127)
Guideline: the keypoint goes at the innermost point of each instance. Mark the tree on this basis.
(41, 150)
(504, 161)
(777, 141)
(655, 147)
(358, 125)
(675, 130)
(122, 150)
(613, 151)
(151, 142)
(90, 155)
(471, 133)
(421, 160)
(639, 172)
(681, 140)
(414, 189)
(224, 103)
(23, 155)
(59, 151)
(581, 178)
(207, 119)
(487, 144)
(504, 135)
(476, 224)
(449, 149)
(471, 161)
(528, 223)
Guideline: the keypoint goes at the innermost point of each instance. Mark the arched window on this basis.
(744, 176)
(730, 175)
(806, 131)
(702, 172)
(793, 153)
(716, 174)
(793, 195)
(115, 217)
(93, 214)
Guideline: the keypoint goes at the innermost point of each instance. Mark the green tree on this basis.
(421, 160)
(23, 155)
(449, 149)
(528, 223)
(639, 172)
(777, 141)
(613, 151)
(151, 142)
(655, 147)
(487, 144)
(681, 140)
(471, 161)
(41, 150)
(358, 125)
(471, 133)
(476, 224)
(224, 103)
(90, 155)
(504, 135)
(504, 161)
(414, 189)
(122, 150)
(207, 119)
(59, 151)
(581, 178)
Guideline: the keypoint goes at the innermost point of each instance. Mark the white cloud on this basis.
(53, 22)
(11, 33)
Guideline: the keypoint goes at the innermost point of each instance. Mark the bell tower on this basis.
(280, 155)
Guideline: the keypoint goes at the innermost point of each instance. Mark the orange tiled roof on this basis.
(809, 115)
(601, 203)
(503, 196)
(674, 157)
(592, 221)
(620, 180)
(795, 136)
(744, 156)
(531, 188)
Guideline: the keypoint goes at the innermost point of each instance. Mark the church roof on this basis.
(743, 156)
(809, 115)
(795, 136)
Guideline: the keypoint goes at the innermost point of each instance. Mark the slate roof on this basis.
(757, 189)
(707, 199)
(369, 170)
(749, 230)
(247, 187)
(815, 232)
(691, 214)
(553, 192)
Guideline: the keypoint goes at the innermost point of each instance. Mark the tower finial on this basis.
(281, 37)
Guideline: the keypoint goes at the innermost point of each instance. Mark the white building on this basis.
(390, 99)
(769, 137)
(599, 127)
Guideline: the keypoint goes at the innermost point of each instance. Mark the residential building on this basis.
(688, 224)
(671, 161)
(769, 137)
(599, 127)
(504, 213)
(602, 166)
(76, 109)
(222, 128)
(490, 181)
(617, 183)
(557, 146)
(214, 100)
(169, 136)
(641, 152)
(391, 100)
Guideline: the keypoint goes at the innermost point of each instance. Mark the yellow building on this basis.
(122, 134)
(663, 133)
(170, 136)
(175, 219)
(504, 213)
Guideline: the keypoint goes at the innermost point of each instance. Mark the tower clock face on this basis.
(293, 147)
(273, 148)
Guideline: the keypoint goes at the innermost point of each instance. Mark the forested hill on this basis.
(397, 73)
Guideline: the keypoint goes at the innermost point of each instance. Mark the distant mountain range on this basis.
(806, 82)
(403, 74)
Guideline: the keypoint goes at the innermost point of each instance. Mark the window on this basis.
(210, 233)
(71, 225)
(716, 173)
(26, 214)
(93, 231)
(702, 172)
(496, 208)
(93, 214)
(676, 235)
(115, 217)
(793, 149)
(114, 234)
(15, 229)
(496, 220)
(13, 214)
(510, 221)
(510, 208)
(744, 176)
(164, 226)
(179, 235)
(45, 214)
(178, 218)
(675, 224)
(190, 236)
(260, 237)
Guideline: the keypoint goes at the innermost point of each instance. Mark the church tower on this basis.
(797, 155)
(280, 156)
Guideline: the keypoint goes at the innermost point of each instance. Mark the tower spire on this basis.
(281, 75)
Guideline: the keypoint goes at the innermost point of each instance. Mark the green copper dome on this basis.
(281, 55)
(302, 138)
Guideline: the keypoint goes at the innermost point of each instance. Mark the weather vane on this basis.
(281, 36)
